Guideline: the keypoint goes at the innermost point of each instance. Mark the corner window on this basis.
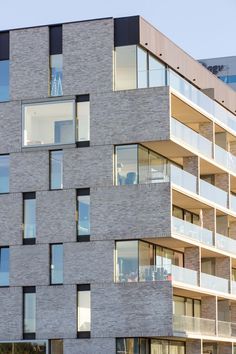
(56, 169)
(56, 60)
(4, 266)
(4, 173)
(29, 312)
(48, 123)
(29, 218)
(83, 120)
(83, 211)
(84, 310)
(4, 66)
(56, 264)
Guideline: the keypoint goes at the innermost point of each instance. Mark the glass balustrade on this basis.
(225, 243)
(224, 329)
(212, 282)
(233, 287)
(233, 202)
(155, 273)
(213, 193)
(190, 137)
(196, 325)
(183, 179)
(192, 231)
(184, 275)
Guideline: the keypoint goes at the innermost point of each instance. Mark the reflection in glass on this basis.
(51, 123)
(83, 117)
(24, 347)
(29, 312)
(127, 261)
(4, 80)
(84, 311)
(56, 169)
(126, 164)
(83, 215)
(146, 259)
(4, 173)
(57, 264)
(159, 346)
(4, 266)
(125, 67)
(142, 68)
(56, 346)
(29, 218)
(157, 74)
(127, 346)
(56, 65)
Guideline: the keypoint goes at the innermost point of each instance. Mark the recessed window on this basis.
(29, 312)
(4, 173)
(84, 310)
(56, 169)
(83, 120)
(56, 346)
(56, 60)
(29, 218)
(4, 266)
(48, 123)
(56, 264)
(24, 347)
(4, 66)
(83, 210)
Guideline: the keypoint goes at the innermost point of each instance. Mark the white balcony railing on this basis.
(194, 325)
(214, 283)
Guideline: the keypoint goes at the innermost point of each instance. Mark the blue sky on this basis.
(203, 28)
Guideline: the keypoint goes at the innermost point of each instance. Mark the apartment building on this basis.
(117, 194)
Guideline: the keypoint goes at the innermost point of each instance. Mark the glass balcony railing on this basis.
(191, 138)
(213, 193)
(194, 232)
(183, 179)
(225, 243)
(195, 325)
(155, 273)
(233, 202)
(212, 282)
(224, 329)
(233, 287)
(184, 275)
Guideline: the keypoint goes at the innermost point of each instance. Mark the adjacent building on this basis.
(117, 194)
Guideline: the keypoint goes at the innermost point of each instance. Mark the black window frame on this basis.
(50, 262)
(82, 192)
(27, 290)
(30, 240)
(1, 247)
(50, 169)
(81, 98)
(82, 287)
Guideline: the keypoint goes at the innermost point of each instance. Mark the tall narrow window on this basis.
(83, 120)
(4, 173)
(56, 169)
(29, 218)
(56, 346)
(84, 311)
(83, 210)
(4, 66)
(56, 60)
(4, 266)
(56, 266)
(29, 312)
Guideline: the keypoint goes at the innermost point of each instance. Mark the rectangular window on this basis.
(4, 266)
(29, 312)
(125, 67)
(4, 173)
(29, 218)
(56, 346)
(56, 60)
(127, 261)
(84, 310)
(56, 169)
(83, 120)
(48, 123)
(83, 210)
(4, 66)
(56, 264)
(24, 347)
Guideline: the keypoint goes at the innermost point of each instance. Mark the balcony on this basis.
(225, 243)
(214, 283)
(203, 146)
(194, 232)
(213, 193)
(184, 275)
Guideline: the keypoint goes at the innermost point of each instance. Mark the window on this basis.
(4, 173)
(48, 123)
(56, 169)
(84, 311)
(126, 261)
(4, 266)
(83, 120)
(56, 266)
(137, 164)
(24, 347)
(56, 60)
(83, 210)
(4, 66)
(186, 306)
(29, 312)
(29, 215)
(56, 346)
(148, 346)
(185, 215)
(137, 68)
